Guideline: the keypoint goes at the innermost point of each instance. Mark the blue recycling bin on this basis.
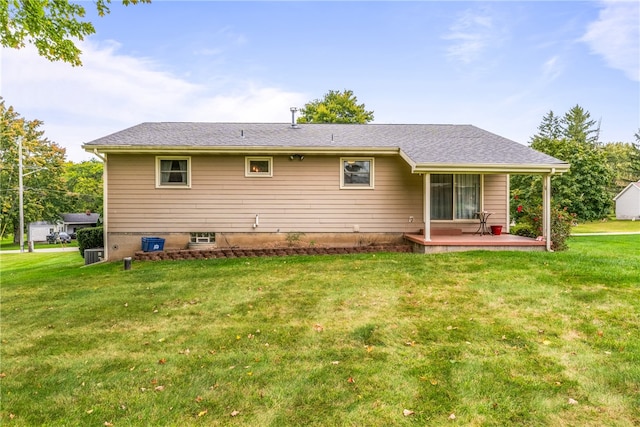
(152, 244)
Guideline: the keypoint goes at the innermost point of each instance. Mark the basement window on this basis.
(356, 173)
(258, 167)
(203, 238)
(173, 172)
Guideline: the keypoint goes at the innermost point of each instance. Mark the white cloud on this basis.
(470, 34)
(615, 35)
(112, 91)
(552, 68)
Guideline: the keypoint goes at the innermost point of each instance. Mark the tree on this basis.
(550, 127)
(335, 107)
(43, 161)
(83, 182)
(635, 158)
(587, 189)
(577, 126)
(50, 25)
(620, 157)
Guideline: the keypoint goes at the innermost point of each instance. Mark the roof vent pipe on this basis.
(293, 117)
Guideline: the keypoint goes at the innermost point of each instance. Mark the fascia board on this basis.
(130, 149)
(492, 168)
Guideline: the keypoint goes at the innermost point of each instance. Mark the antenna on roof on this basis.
(293, 117)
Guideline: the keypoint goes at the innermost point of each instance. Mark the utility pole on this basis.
(20, 194)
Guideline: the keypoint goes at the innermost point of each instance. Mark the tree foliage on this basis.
(43, 164)
(83, 182)
(335, 107)
(586, 191)
(52, 26)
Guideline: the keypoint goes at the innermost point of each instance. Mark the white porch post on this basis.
(546, 210)
(427, 207)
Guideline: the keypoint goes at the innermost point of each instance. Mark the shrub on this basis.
(524, 230)
(89, 238)
(530, 225)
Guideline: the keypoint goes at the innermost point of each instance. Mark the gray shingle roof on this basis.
(425, 144)
(80, 218)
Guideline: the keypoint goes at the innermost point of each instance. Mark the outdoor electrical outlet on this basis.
(410, 219)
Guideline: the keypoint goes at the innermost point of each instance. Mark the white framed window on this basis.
(356, 173)
(203, 238)
(455, 197)
(173, 172)
(258, 167)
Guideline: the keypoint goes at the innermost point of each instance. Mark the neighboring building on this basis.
(252, 184)
(72, 222)
(39, 230)
(628, 202)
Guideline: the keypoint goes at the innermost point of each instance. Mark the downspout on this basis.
(105, 202)
(427, 207)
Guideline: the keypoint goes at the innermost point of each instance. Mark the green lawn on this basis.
(490, 338)
(608, 226)
(6, 244)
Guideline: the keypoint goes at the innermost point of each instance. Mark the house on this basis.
(72, 222)
(628, 202)
(253, 184)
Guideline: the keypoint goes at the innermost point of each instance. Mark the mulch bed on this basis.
(179, 254)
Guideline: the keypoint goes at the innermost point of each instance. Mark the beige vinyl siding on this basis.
(301, 196)
(495, 198)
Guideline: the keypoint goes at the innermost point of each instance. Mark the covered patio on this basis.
(469, 242)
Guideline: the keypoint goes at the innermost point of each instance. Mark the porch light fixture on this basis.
(296, 157)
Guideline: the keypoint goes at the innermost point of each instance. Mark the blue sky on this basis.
(498, 65)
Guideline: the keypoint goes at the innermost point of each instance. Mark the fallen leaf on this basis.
(318, 327)
(90, 411)
(351, 380)
(369, 348)
(434, 382)
(2, 375)
(452, 416)
(600, 333)
(410, 343)
(335, 362)
(203, 413)
(234, 413)
(159, 388)
(572, 401)
(108, 424)
(199, 399)
(162, 361)
(12, 416)
(407, 412)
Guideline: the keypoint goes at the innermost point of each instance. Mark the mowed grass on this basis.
(609, 226)
(478, 338)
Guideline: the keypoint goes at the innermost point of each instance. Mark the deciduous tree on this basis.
(51, 25)
(84, 185)
(587, 189)
(43, 162)
(335, 107)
